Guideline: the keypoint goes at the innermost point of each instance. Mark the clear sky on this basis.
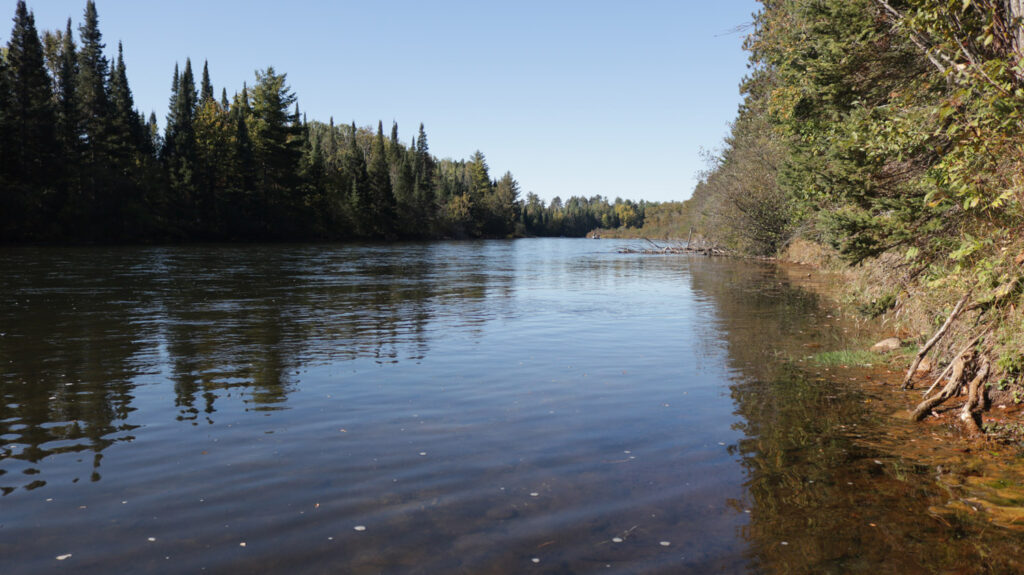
(574, 97)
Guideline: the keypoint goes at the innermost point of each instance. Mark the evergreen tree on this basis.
(172, 117)
(32, 124)
(93, 99)
(8, 200)
(126, 140)
(277, 150)
(68, 116)
(423, 174)
(182, 159)
(124, 118)
(382, 199)
(214, 131)
(358, 185)
(506, 207)
(239, 210)
(206, 93)
(479, 190)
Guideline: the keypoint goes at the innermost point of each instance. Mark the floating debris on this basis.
(63, 557)
(360, 528)
(151, 539)
(617, 539)
(534, 494)
(535, 559)
(665, 543)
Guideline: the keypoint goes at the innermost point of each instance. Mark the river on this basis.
(530, 406)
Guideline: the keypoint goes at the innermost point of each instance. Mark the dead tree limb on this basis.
(955, 381)
(935, 339)
(970, 414)
(967, 347)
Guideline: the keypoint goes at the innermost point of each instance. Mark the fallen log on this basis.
(935, 339)
(970, 414)
(955, 381)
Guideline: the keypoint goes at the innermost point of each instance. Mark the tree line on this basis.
(878, 127)
(891, 130)
(79, 162)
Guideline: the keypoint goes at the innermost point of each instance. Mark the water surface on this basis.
(547, 406)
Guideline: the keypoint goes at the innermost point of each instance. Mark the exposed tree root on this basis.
(970, 414)
(959, 366)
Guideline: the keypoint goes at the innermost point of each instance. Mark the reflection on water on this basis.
(544, 406)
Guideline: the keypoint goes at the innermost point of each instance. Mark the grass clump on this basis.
(847, 357)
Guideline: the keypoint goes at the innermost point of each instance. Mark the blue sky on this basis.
(573, 97)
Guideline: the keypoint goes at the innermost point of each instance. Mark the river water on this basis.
(536, 406)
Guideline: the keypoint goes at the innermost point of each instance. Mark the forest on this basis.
(80, 164)
(890, 131)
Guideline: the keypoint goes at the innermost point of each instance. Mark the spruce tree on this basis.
(382, 199)
(423, 174)
(206, 93)
(277, 150)
(68, 113)
(128, 140)
(93, 99)
(32, 122)
(124, 118)
(181, 163)
(8, 212)
(358, 186)
(171, 122)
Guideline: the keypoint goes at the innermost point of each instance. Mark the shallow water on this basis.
(547, 406)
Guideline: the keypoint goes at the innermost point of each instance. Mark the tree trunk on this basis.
(1015, 12)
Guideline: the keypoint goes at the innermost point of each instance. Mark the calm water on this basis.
(538, 406)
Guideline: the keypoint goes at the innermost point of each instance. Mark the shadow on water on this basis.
(837, 481)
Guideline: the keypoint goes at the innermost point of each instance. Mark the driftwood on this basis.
(677, 249)
(967, 347)
(935, 339)
(970, 414)
(959, 365)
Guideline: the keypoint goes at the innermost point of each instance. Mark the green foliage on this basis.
(844, 357)
(876, 127)
(878, 306)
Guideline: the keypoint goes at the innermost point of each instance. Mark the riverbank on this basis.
(918, 315)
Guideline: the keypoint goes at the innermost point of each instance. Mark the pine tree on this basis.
(382, 199)
(206, 93)
(277, 149)
(32, 122)
(172, 117)
(68, 116)
(423, 174)
(181, 159)
(9, 213)
(124, 118)
(506, 205)
(126, 140)
(93, 99)
(358, 185)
